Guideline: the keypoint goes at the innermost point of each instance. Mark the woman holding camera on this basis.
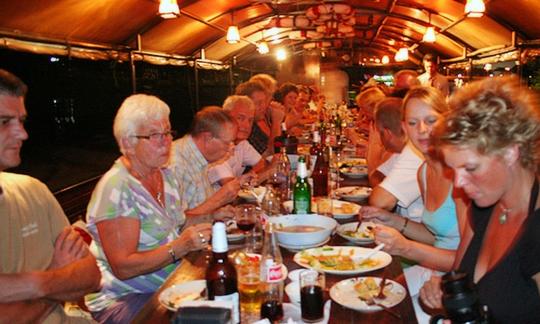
(491, 140)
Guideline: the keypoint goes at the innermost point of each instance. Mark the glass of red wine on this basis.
(311, 295)
(246, 219)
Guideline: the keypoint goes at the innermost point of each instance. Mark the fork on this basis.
(373, 302)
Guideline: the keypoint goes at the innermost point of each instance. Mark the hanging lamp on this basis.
(475, 8)
(429, 35)
(169, 9)
(233, 35)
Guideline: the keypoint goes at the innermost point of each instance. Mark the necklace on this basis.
(503, 217)
(158, 197)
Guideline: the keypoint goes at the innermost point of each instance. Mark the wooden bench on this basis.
(74, 199)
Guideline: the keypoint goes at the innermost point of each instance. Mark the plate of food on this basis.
(353, 193)
(364, 234)
(362, 294)
(350, 162)
(342, 260)
(340, 209)
(172, 297)
(354, 172)
(252, 195)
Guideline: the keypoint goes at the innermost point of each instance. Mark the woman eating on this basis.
(135, 213)
(491, 141)
(431, 243)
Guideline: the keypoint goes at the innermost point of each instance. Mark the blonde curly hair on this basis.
(493, 114)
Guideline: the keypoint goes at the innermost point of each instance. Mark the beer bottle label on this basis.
(274, 273)
(301, 205)
(235, 303)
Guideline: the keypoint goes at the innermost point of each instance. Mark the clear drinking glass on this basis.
(246, 219)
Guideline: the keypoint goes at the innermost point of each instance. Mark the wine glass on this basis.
(245, 221)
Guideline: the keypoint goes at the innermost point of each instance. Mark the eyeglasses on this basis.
(226, 143)
(155, 137)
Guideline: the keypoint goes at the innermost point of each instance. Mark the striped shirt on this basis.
(191, 170)
(119, 194)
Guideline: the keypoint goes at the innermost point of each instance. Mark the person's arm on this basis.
(227, 193)
(375, 178)
(383, 199)
(34, 311)
(72, 274)
(409, 228)
(425, 254)
(120, 237)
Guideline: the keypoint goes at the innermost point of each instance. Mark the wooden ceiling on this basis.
(380, 28)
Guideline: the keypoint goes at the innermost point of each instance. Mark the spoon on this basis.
(370, 254)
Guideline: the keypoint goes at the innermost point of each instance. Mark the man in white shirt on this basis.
(431, 77)
(399, 188)
(241, 109)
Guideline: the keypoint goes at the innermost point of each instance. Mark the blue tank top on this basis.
(442, 222)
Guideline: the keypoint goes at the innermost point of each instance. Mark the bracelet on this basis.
(404, 226)
(171, 252)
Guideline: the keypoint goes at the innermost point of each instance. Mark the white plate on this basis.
(354, 193)
(355, 172)
(383, 259)
(246, 195)
(351, 227)
(172, 297)
(337, 206)
(296, 248)
(354, 161)
(344, 294)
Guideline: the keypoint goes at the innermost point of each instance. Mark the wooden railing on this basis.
(74, 199)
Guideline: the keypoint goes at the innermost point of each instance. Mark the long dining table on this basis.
(193, 267)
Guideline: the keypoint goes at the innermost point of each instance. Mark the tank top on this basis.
(442, 222)
(258, 139)
(508, 288)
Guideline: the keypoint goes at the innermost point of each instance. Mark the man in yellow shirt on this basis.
(43, 262)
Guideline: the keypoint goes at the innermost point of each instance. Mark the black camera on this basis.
(460, 300)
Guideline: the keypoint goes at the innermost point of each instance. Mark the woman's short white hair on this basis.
(232, 101)
(135, 111)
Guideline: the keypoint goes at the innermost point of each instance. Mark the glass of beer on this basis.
(249, 289)
(311, 295)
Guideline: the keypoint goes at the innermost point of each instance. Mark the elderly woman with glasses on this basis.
(135, 213)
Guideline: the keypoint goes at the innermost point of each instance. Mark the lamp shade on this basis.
(475, 8)
(429, 35)
(168, 9)
(233, 35)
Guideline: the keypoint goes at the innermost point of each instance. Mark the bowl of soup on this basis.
(302, 230)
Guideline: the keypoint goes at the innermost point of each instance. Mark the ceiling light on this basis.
(233, 35)
(168, 9)
(281, 54)
(262, 47)
(391, 42)
(402, 55)
(429, 35)
(475, 8)
(385, 59)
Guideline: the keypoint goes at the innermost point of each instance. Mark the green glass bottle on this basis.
(302, 189)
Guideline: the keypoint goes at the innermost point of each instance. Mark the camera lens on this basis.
(460, 299)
